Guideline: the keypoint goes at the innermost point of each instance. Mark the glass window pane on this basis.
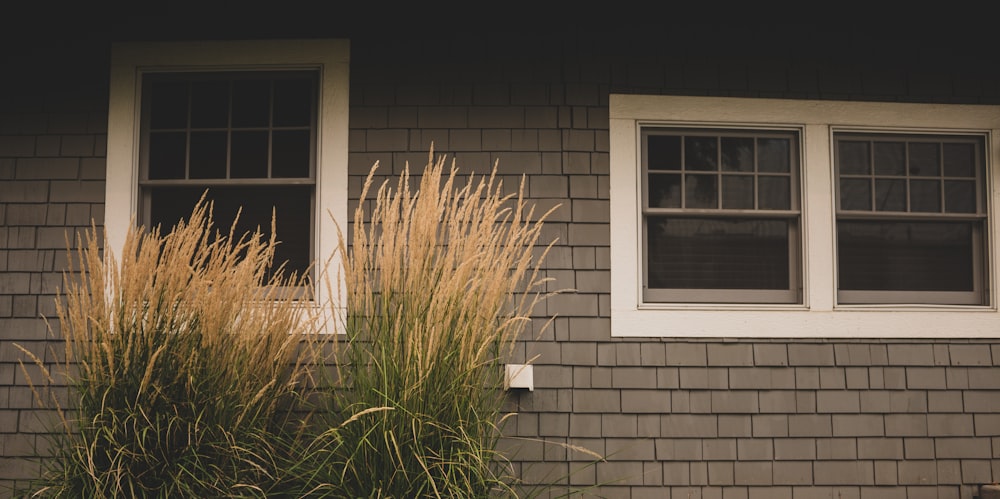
(664, 190)
(210, 104)
(890, 158)
(292, 205)
(251, 103)
(701, 191)
(905, 256)
(737, 192)
(167, 155)
(663, 152)
(249, 154)
(701, 153)
(855, 194)
(890, 195)
(737, 154)
(168, 104)
(717, 253)
(959, 160)
(208, 155)
(773, 155)
(775, 193)
(292, 102)
(853, 157)
(925, 159)
(290, 150)
(959, 196)
(925, 196)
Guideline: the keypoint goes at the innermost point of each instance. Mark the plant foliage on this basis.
(184, 356)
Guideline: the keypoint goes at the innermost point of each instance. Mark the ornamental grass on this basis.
(185, 357)
(441, 282)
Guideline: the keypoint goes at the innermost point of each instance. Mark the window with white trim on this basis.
(882, 224)
(261, 126)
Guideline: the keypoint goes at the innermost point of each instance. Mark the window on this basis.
(735, 217)
(911, 218)
(245, 138)
(721, 215)
(260, 125)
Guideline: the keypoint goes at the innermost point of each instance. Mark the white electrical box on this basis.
(520, 376)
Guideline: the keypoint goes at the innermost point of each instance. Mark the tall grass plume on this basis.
(184, 361)
(441, 282)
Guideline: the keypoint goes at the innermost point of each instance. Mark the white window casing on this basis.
(818, 315)
(329, 58)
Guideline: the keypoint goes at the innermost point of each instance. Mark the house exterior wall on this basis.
(674, 416)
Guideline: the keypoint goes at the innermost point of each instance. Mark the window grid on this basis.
(921, 241)
(720, 215)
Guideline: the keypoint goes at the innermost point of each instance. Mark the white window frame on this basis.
(329, 57)
(819, 315)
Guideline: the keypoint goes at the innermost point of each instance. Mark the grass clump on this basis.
(441, 282)
(184, 359)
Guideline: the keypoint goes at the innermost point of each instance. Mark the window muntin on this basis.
(247, 137)
(911, 218)
(720, 215)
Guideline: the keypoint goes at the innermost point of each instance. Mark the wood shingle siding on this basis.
(675, 416)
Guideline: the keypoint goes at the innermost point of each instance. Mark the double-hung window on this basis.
(911, 218)
(745, 217)
(720, 215)
(260, 126)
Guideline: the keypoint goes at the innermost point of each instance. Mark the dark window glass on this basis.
(690, 253)
(208, 155)
(167, 155)
(249, 154)
(292, 102)
(251, 103)
(168, 103)
(905, 256)
(737, 154)
(290, 153)
(853, 158)
(701, 153)
(664, 152)
(291, 204)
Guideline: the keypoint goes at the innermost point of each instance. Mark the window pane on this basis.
(925, 159)
(890, 195)
(664, 190)
(208, 155)
(853, 157)
(700, 191)
(290, 150)
(855, 194)
(737, 154)
(737, 192)
(249, 155)
(701, 153)
(292, 102)
(773, 156)
(663, 152)
(292, 205)
(925, 196)
(890, 158)
(210, 104)
(775, 193)
(251, 103)
(959, 160)
(959, 196)
(905, 256)
(168, 104)
(167, 154)
(717, 253)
